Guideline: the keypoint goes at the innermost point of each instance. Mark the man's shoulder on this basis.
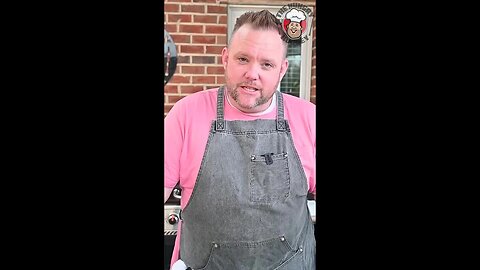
(200, 96)
(298, 103)
(200, 104)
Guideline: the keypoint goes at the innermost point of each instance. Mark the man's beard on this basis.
(232, 90)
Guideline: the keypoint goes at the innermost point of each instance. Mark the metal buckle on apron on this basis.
(268, 158)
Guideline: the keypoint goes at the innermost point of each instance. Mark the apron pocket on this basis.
(269, 178)
(265, 255)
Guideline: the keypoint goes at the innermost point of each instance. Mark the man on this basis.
(244, 154)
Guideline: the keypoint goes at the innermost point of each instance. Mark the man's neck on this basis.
(267, 110)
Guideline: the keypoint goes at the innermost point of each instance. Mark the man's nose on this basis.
(252, 73)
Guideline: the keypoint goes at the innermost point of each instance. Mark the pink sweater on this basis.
(187, 126)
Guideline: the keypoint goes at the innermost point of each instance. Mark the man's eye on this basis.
(268, 65)
(242, 59)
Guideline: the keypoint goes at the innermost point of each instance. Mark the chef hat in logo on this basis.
(295, 15)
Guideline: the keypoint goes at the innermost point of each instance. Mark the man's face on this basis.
(254, 65)
(294, 29)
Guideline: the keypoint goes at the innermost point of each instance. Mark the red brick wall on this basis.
(199, 30)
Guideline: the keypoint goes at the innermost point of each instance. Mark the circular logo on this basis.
(295, 21)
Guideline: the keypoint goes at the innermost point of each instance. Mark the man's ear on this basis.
(225, 57)
(283, 68)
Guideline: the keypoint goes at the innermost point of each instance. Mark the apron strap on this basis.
(220, 123)
(280, 113)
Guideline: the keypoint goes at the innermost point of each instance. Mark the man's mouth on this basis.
(249, 88)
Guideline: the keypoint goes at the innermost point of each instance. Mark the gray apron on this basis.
(248, 209)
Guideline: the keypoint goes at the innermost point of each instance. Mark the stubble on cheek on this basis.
(232, 91)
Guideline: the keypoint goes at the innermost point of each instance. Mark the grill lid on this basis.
(170, 56)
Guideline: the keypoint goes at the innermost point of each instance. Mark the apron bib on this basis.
(248, 209)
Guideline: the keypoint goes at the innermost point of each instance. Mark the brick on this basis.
(174, 99)
(215, 29)
(215, 70)
(220, 80)
(190, 89)
(222, 40)
(171, 28)
(193, 69)
(180, 38)
(219, 60)
(171, 8)
(183, 59)
(193, 9)
(191, 29)
(167, 108)
(189, 1)
(170, 88)
(222, 19)
(180, 79)
(205, 1)
(216, 9)
(192, 49)
(203, 59)
(203, 39)
(205, 18)
(203, 79)
(173, 18)
(215, 49)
